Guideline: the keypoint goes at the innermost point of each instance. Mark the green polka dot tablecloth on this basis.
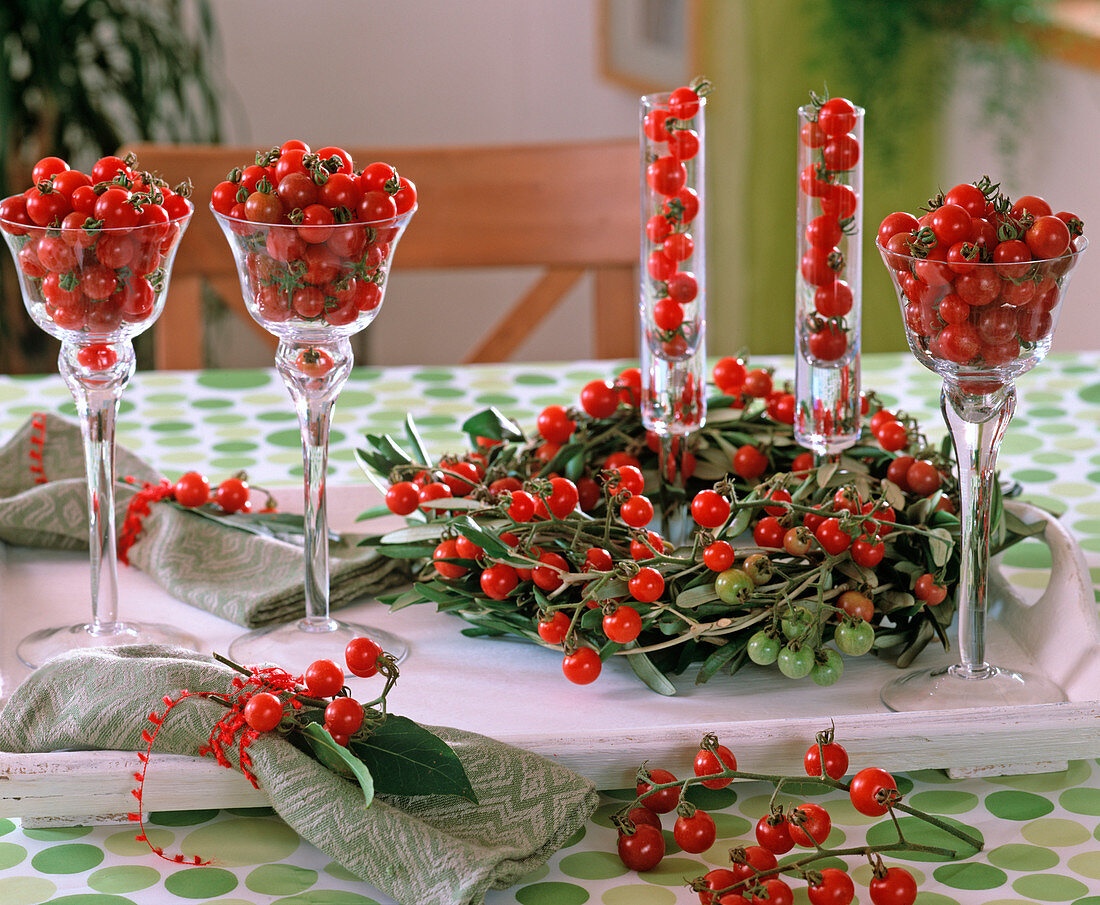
(1042, 832)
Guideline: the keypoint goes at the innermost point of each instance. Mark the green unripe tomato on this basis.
(763, 648)
(797, 623)
(796, 662)
(829, 669)
(759, 568)
(733, 586)
(855, 638)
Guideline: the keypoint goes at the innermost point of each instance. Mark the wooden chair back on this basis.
(565, 208)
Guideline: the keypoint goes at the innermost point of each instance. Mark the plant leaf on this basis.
(339, 759)
(645, 670)
(415, 441)
(492, 424)
(406, 759)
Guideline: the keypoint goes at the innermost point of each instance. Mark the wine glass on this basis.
(95, 289)
(979, 326)
(313, 288)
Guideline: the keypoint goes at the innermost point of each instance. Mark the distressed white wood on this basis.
(515, 692)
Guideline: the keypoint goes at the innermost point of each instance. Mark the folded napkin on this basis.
(243, 577)
(429, 850)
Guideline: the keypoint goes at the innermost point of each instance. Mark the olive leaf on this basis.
(339, 759)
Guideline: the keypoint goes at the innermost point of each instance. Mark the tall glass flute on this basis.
(313, 324)
(828, 280)
(979, 331)
(672, 298)
(95, 290)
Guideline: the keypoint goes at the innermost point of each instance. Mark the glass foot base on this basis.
(953, 688)
(295, 645)
(47, 643)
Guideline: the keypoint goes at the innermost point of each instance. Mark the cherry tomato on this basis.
(599, 399)
(446, 550)
(749, 462)
(834, 888)
(344, 715)
(1048, 237)
(834, 299)
(710, 509)
(643, 849)
(835, 760)
(684, 103)
(498, 581)
(263, 711)
(323, 678)
(696, 833)
(828, 344)
(840, 153)
(773, 833)
(361, 656)
(623, 625)
(663, 800)
(647, 585)
(769, 533)
(871, 791)
(666, 175)
(718, 556)
(832, 537)
(895, 887)
(893, 436)
(836, 116)
(231, 495)
(927, 590)
(709, 762)
(809, 823)
(582, 666)
(192, 489)
(554, 629)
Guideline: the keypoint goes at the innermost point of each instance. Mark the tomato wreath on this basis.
(541, 536)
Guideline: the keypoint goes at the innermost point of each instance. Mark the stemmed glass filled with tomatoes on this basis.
(93, 253)
(313, 239)
(980, 280)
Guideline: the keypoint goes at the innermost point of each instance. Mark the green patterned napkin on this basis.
(430, 849)
(240, 576)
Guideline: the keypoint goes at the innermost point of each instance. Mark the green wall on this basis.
(764, 58)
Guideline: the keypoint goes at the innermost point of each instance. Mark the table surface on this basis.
(1042, 832)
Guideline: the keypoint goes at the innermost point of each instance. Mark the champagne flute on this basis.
(979, 330)
(313, 322)
(95, 288)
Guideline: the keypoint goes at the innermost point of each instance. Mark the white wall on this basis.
(428, 72)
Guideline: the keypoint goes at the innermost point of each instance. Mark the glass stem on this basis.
(977, 424)
(97, 394)
(314, 374)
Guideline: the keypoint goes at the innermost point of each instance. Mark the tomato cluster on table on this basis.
(829, 205)
(671, 201)
(94, 248)
(317, 233)
(980, 277)
(754, 876)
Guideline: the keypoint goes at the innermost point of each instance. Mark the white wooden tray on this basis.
(515, 692)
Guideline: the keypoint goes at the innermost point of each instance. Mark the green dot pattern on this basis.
(1041, 832)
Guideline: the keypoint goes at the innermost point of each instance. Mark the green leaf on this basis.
(415, 441)
(645, 670)
(697, 596)
(492, 424)
(940, 545)
(718, 659)
(415, 533)
(339, 759)
(406, 759)
(408, 598)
